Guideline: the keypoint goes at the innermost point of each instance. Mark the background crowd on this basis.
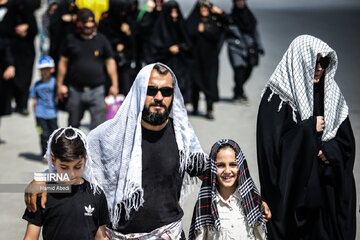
(133, 36)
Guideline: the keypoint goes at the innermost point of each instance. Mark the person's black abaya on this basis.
(110, 25)
(59, 29)
(308, 199)
(166, 34)
(6, 59)
(23, 50)
(206, 46)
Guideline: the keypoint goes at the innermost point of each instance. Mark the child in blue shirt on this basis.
(43, 95)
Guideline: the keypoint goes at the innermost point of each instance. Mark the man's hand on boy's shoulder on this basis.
(32, 191)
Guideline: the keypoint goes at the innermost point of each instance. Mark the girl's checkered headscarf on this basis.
(205, 211)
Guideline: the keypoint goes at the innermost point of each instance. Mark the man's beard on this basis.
(156, 118)
(87, 31)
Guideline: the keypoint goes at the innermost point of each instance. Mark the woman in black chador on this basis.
(119, 26)
(23, 50)
(244, 46)
(206, 24)
(306, 147)
(171, 44)
(7, 32)
(146, 20)
(62, 22)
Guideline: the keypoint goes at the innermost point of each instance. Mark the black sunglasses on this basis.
(165, 91)
(324, 62)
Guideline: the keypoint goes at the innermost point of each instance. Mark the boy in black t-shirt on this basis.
(80, 214)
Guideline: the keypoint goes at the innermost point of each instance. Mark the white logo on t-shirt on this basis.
(88, 210)
(3, 12)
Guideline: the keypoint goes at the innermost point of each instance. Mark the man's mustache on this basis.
(156, 104)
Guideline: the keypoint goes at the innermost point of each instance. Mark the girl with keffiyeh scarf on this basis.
(229, 205)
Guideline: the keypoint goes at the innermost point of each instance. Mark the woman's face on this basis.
(204, 11)
(240, 3)
(174, 14)
(227, 168)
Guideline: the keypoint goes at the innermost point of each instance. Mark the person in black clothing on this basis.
(244, 46)
(206, 24)
(81, 212)
(62, 23)
(146, 21)
(23, 49)
(306, 147)
(86, 61)
(7, 72)
(171, 44)
(119, 26)
(7, 62)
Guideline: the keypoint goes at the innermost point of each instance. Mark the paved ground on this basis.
(279, 21)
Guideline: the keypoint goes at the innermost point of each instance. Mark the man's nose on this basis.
(318, 67)
(159, 95)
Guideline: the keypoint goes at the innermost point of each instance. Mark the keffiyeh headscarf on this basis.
(293, 81)
(115, 148)
(88, 173)
(205, 211)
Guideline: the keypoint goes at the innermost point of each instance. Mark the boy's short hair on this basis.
(67, 145)
(45, 62)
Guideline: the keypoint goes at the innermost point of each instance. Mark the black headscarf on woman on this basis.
(117, 12)
(192, 22)
(244, 19)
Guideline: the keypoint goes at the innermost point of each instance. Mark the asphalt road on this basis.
(280, 21)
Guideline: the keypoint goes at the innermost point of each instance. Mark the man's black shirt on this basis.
(161, 181)
(86, 66)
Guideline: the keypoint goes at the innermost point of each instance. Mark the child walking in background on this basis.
(43, 95)
(229, 205)
(80, 214)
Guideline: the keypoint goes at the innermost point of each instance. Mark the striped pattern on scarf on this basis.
(205, 212)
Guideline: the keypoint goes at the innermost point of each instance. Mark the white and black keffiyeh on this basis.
(88, 173)
(293, 79)
(115, 148)
(205, 212)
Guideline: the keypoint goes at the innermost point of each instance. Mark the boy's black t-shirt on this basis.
(76, 215)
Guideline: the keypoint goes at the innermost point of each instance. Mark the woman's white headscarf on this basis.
(293, 82)
(115, 147)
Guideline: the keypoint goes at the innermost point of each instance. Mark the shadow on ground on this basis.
(31, 156)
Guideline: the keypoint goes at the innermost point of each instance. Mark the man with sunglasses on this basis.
(306, 147)
(143, 159)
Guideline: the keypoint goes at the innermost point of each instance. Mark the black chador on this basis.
(306, 174)
(206, 34)
(146, 21)
(61, 24)
(169, 34)
(23, 49)
(119, 26)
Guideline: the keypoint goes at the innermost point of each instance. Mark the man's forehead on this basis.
(157, 78)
